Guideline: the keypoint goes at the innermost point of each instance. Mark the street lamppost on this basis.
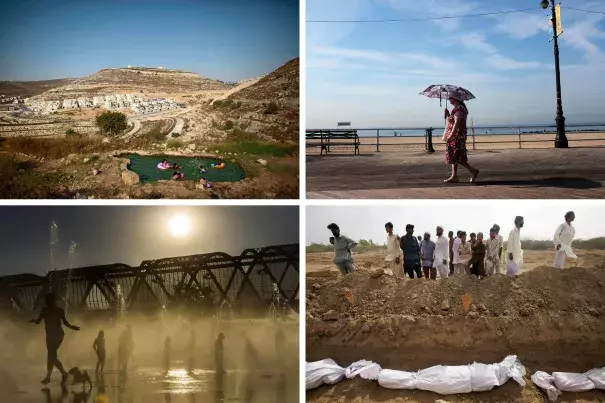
(561, 138)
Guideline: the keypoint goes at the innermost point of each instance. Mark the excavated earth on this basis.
(554, 320)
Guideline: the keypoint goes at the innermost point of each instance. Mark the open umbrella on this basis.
(442, 91)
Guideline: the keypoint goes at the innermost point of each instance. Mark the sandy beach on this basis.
(481, 142)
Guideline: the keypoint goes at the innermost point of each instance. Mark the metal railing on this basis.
(393, 139)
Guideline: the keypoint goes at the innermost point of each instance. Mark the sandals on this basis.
(451, 180)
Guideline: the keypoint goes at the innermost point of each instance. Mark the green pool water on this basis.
(146, 168)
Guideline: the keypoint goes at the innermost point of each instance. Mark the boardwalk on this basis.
(537, 173)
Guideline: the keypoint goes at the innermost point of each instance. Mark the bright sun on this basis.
(180, 225)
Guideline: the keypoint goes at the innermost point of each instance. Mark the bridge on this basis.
(206, 281)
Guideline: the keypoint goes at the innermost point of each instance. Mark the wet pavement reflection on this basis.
(155, 385)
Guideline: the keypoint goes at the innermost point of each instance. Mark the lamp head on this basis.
(544, 4)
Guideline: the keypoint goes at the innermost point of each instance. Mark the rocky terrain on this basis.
(26, 89)
(138, 80)
(554, 320)
(267, 110)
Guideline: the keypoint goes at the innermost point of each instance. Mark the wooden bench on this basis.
(332, 138)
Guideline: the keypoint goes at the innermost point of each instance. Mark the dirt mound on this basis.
(540, 291)
(552, 318)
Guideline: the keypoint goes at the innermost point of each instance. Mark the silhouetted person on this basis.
(219, 353)
(125, 348)
(54, 317)
(167, 348)
(99, 346)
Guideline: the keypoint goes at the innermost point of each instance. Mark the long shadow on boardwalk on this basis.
(568, 183)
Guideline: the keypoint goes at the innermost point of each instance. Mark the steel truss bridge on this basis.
(209, 280)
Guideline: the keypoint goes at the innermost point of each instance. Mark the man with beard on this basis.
(501, 243)
(563, 238)
(514, 252)
(411, 253)
(441, 253)
(343, 258)
(393, 251)
(427, 255)
(492, 253)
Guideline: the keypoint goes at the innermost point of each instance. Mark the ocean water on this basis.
(481, 130)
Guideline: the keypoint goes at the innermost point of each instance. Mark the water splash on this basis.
(120, 306)
(275, 303)
(71, 256)
(54, 241)
(225, 311)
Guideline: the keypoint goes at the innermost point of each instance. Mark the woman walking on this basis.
(53, 317)
(455, 138)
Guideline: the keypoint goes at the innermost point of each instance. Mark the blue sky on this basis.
(228, 40)
(370, 74)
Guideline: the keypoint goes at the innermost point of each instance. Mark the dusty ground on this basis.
(504, 174)
(375, 259)
(99, 176)
(243, 129)
(552, 319)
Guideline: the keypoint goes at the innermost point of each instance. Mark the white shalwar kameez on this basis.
(455, 246)
(394, 255)
(442, 250)
(492, 259)
(513, 245)
(564, 237)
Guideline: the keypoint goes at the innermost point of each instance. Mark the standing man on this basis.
(393, 252)
(501, 241)
(427, 254)
(563, 238)
(513, 245)
(450, 235)
(441, 253)
(411, 253)
(456, 246)
(343, 258)
(219, 353)
(492, 253)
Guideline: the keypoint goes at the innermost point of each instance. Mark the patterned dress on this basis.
(456, 145)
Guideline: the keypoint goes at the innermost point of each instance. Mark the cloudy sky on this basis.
(541, 218)
(370, 73)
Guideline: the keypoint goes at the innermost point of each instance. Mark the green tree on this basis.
(111, 122)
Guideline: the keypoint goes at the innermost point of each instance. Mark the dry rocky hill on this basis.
(267, 110)
(282, 84)
(26, 89)
(118, 80)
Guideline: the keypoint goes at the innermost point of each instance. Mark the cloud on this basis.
(521, 26)
(476, 41)
(435, 8)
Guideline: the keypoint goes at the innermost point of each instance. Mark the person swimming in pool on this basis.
(202, 169)
(168, 165)
(177, 176)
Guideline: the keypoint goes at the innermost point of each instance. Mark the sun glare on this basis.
(180, 225)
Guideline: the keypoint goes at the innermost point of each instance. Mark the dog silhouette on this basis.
(80, 376)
